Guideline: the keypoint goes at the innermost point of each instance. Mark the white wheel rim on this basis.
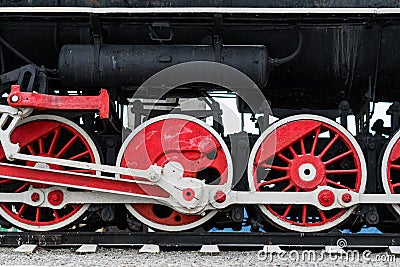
(270, 216)
(84, 208)
(210, 214)
(384, 167)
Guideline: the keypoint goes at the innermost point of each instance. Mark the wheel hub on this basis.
(307, 172)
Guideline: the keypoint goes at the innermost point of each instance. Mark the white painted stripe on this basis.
(87, 248)
(394, 249)
(150, 248)
(209, 249)
(26, 248)
(200, 10)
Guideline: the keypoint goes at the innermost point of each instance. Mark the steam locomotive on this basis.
(110, 115)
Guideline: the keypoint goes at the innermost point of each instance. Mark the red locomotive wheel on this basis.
(175, 138)
(390, 168)
(47, 136)
(298, 154)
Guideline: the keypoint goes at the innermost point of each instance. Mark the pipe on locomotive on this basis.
(279, 61)
(130, 65)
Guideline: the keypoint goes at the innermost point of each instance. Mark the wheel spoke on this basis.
(41, 145)
(322, 215)
(273, 181)
(22, 209)
(290, 185)
(337, 184)
(5, 181)
(302, 147)
(38, 213)
(339, 157)
(314, 145)
(395, 185)
(293, 152)
(281, 156)
(273, 167)
(287, 210)
(329, 145)
(67, 146)
(304, 214)
(56, 217)
(394, 166)
(80, 155)
(54, 141)
(25, 185)
(31, 150)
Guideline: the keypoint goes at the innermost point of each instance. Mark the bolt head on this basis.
(346, 197)
(55, 197)
(326, 198)
(14, 99)
(35, 197)
(220, 196)
(372, 146)
(188, 194)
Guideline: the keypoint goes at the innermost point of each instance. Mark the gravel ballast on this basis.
(131, 257)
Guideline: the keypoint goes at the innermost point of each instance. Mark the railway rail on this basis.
(185, 240)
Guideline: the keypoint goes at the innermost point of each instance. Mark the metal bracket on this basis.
(344, 111)
(18, 99)
(217, 36)
(24, 76)
(96, 26)
(156, 36)
(9, 118)
(394, 112)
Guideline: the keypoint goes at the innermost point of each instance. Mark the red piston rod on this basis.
(77, 180)
(18, 99)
